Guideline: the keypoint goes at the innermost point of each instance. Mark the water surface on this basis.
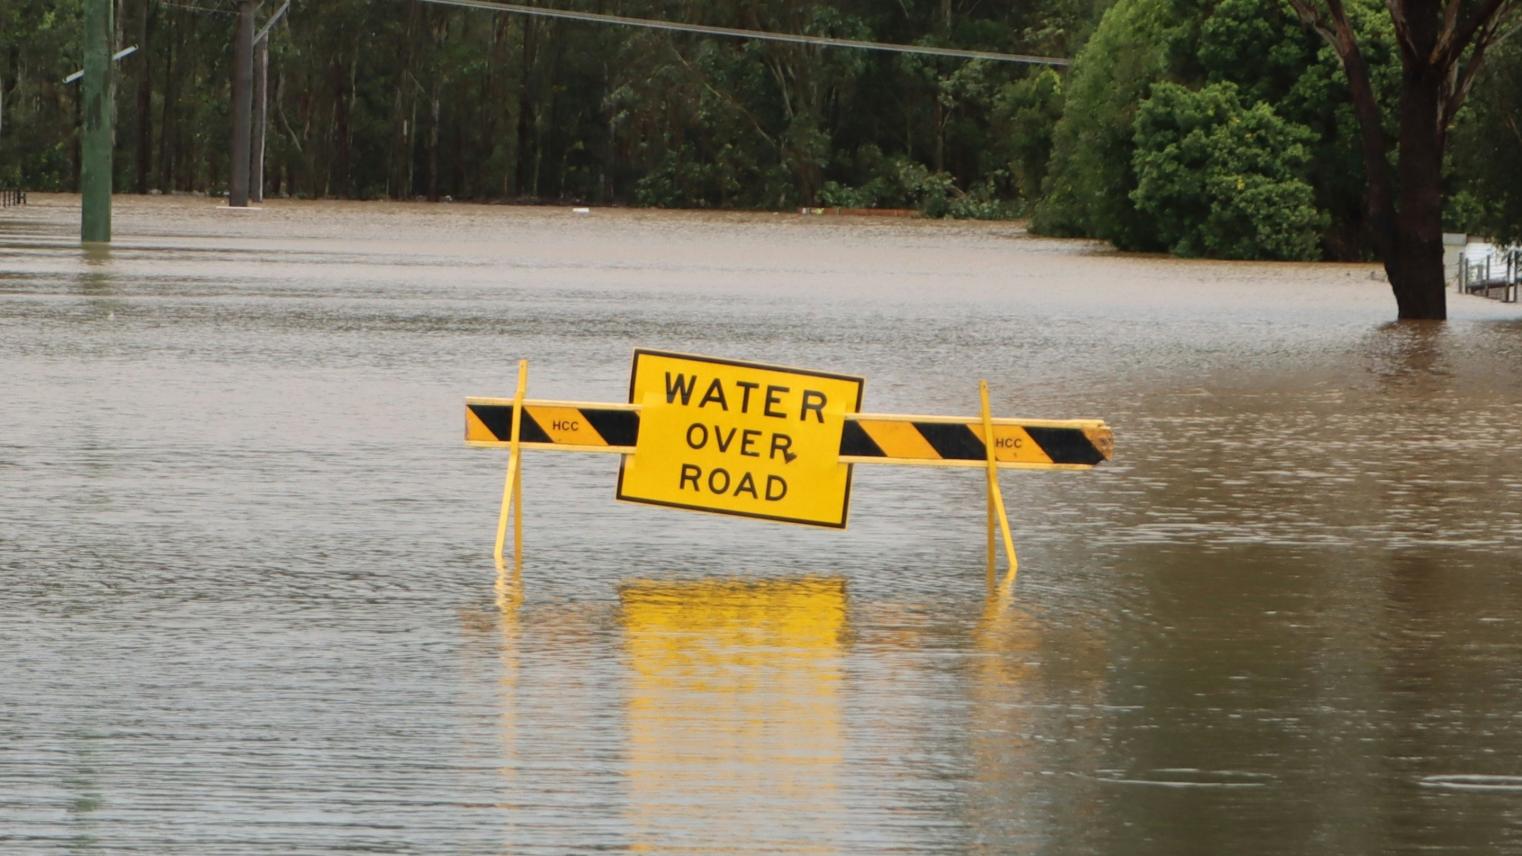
(247, 602)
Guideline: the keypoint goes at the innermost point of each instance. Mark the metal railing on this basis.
(1498, 271)
(12, 196)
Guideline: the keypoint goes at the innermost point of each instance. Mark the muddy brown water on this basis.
(247, 602)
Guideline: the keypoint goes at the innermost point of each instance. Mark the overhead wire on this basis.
(702, 29)
(197, 7)
(739, 33)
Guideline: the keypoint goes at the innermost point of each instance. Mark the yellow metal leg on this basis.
(518, 516)
(511, 491)
(509, 588)
(995, 497)
(992, 552)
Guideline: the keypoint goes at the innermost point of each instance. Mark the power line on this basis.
(654, 24)
(197, 7)
(273, 20)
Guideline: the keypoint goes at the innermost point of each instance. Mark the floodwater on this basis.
(247, 601)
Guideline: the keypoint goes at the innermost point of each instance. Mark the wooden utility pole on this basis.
(255, 105)
(243, 100)
(261, 117)
(99, 119)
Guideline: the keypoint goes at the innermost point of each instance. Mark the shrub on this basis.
(1221, 179)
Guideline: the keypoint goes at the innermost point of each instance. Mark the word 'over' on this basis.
(746, 442)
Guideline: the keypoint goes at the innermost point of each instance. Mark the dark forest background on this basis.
(1202, 127)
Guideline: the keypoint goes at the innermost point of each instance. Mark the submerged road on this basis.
(247, 602)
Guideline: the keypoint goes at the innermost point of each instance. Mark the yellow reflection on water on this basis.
(1022, 745)
(734, 713)
(503, 623)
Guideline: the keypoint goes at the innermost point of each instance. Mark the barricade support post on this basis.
(996, 497)
(512, 489)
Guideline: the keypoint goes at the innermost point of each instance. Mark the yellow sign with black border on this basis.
(739, 438)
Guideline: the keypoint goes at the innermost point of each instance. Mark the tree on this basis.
(1256, 45)
(1442, 48)
(1087, 186)
(1486, 152)
(1224, 179)
(1025, 112)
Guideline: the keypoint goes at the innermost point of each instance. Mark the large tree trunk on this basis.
(1415, 261)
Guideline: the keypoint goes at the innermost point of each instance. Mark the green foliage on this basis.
(1088, 186)
(987, 201)
(1318, 99)
(406, 99)
(897, 182)
(1255, 45)
(904, 183)
(1025, 113)
(1222, 179)
(40, 43)
(1487, 153)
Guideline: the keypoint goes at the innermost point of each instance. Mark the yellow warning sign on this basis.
(739, 438)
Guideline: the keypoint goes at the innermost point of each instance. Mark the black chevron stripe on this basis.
(498, 419)
(617, 427)
(855, 441)
(1066, 445)
(529, 431)
(952, 442)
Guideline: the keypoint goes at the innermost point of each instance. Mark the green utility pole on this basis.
(99, 119)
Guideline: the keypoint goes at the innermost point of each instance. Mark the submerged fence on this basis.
(12, 196)
(1496, 275)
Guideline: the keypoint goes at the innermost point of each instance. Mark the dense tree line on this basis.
(1200, 127)
(399, 98)
(1224, 128)
(1291, 129)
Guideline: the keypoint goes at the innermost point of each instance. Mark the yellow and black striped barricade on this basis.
(562, 426)
(868, 438)
(953, 441)
(760, 441)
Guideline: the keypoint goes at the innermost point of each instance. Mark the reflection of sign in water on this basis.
(739, 438)
(734, 717)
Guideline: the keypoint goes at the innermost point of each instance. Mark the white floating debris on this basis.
(581, 211)
(1473, 782)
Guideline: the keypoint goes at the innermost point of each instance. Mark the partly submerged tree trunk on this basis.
(1415, 261)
